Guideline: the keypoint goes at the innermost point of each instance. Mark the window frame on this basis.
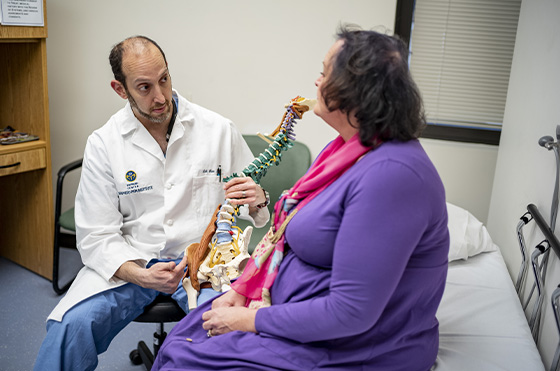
(403, 27)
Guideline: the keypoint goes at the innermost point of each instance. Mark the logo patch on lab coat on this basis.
(130, 176)
(133, 187)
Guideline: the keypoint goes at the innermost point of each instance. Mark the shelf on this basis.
(20, 147)
(16, 33)
(27, 216)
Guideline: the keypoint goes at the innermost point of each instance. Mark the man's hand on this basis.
(243, 190)
(163, 276)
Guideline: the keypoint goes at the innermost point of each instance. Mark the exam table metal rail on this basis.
(542, 252)
(554, 244)
(545, 229)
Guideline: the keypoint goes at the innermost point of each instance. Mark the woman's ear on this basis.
(119, 89)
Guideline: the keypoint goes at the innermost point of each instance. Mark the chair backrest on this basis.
(293, 165)
(64, 220)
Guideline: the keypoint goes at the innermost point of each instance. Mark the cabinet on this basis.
(26, 204)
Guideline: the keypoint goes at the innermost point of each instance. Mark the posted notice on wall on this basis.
(21, 13)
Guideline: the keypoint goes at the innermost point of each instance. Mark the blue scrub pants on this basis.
(88, 328)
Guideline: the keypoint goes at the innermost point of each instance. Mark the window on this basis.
(461, 52)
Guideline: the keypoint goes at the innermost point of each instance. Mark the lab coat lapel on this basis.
(144, 140)
(177, 132)
(141, 138)
(183, 119)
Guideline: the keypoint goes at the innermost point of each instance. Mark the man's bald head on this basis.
(135, 45)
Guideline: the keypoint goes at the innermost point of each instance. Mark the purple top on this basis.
(361, 283)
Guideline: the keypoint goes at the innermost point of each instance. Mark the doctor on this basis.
(151, 179)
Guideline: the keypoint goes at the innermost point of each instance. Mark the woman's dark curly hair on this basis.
(370, 79)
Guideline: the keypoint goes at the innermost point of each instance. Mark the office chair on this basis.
(162, 310)
(293, 165)
(63, 220)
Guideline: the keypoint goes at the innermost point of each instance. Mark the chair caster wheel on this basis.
(135, 357)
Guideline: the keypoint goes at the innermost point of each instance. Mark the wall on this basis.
(244, 59)
(467, 171)
(525, 172)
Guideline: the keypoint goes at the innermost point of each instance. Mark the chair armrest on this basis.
(69, 167)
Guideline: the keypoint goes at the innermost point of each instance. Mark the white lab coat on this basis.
(134, 203)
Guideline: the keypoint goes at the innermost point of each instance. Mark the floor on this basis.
(28, 298)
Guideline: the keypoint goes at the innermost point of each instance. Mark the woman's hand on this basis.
(222, 320)
(229, 299)
(243, 190)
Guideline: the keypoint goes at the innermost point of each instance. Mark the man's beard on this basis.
(155, 119)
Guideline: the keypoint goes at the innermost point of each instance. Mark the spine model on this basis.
(222, 252)
(280, 140)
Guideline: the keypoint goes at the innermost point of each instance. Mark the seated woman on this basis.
(356, 278)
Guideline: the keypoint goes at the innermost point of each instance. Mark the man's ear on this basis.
(119, 89)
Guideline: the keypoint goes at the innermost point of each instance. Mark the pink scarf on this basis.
(262, 268)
